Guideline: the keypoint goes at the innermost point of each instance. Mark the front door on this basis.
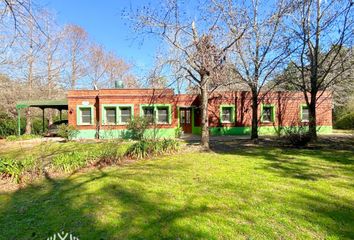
(185, 119)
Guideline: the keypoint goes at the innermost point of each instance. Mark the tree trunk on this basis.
(28, 128)
(254, 132)
(205, 121)
(50, 116)
(312, 118)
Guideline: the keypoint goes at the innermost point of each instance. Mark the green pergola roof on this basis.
(56, 104)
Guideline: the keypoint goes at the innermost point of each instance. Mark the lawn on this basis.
(233, 192)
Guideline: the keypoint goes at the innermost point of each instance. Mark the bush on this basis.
(297, 136)
(345, 122)
(145, 148)
(137, 127)
(178, 132)
(8, 125)
(10, 168)
(17, 169)
(69, 162)
(110, 153)
(67, 132)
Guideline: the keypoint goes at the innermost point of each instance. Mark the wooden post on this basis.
(60, 115)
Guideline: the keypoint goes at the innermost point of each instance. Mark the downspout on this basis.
(98, 118)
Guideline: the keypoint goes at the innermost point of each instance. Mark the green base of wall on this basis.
(171, 132)
(126, 134)
(86, 134)
(223, 131)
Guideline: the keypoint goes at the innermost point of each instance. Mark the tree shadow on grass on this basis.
(288, 162)
(331, 212)
(113, 211)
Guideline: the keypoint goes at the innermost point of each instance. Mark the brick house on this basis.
(105, 113)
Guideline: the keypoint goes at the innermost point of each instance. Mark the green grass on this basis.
(251, 193)
(22, 137)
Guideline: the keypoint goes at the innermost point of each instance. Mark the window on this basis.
(305, 113)
(188, 116)
(111, 114)
(268, 113)
(85, 115)
(125, 114)
(226, 114)
(183, 117)
(149, 113)
(115, 114)
(162, 115)
(158, 113)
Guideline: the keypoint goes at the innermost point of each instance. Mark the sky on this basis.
(105, 25)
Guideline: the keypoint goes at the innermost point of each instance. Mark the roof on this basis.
(56, 104)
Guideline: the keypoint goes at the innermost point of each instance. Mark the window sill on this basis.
(122, 124)
(267, 122)
(84, 124)
(305, 121)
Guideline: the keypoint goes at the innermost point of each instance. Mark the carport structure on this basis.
(42, 104)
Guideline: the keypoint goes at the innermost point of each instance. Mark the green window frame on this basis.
(118, 108)
(155, 108)
(79, 109)
(272, 111)
(233, 114)
(302, 106)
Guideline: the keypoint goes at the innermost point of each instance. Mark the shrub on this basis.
(178, 132)
(69, 162)
(145, 148)
(8, 125)
(111, 153)
(297, 136)
(11, 168)
(67, 132)
(137, 127)
(346, 121)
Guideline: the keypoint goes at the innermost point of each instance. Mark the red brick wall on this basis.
(287, 108)
(287, 105)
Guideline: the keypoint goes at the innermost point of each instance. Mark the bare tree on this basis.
(97, 65)
(53, 59)
(131, 81)
(17, 14)
(117, 70)
(261, 52)
(76, 43)
(321, 30)
(30, 47)
(197, 53)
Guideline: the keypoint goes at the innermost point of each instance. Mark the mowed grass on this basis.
(248, 193)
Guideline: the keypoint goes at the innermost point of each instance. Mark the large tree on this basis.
(196, 45)
(263, 49)
(321, 30)
(76, 44)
